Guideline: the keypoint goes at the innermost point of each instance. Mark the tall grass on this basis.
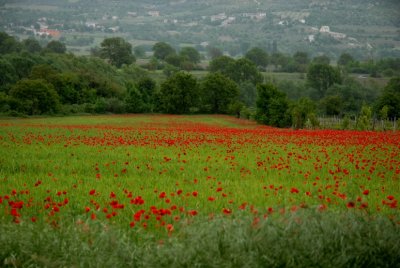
(302, 239)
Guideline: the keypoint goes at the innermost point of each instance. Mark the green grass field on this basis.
(209, 191)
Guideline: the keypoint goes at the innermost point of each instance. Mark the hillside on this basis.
(366, 28)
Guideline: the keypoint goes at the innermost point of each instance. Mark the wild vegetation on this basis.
(46, 80)
(204, 134)
(179, 191)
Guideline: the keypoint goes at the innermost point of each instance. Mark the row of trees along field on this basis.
(38, 80)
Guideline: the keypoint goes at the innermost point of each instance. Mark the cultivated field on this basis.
(74, 188)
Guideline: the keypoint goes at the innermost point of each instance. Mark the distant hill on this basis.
(364, 28)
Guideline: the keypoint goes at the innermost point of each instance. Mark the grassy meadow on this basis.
(207, 191)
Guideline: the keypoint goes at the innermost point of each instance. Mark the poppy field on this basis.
(159, 175)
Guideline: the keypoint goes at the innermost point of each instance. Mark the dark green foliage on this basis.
(174, 60)
(147, 89)
(43, 71)
(390, 98)
(69, 87)
(301, 61)
(332, 105)
(8, 75)
(22, 64)
(345, 59)
(134, 101)
(141, 97)
(240, 70)
(322, 76)
(179, 94)
(117, 51)
(8, 44)
(278, 60)
(56, 47)
(218, 93)
(321, 60)
(162, 50)
(31, 45)
(190, 54)
(272, 106)
(258, 56)
(346, 98)
(221, 64)
(35, 97)
(303, 111)
(244, 70)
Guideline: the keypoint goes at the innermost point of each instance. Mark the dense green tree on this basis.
(222, 64)
(279, 60)
(35, 97)
(240, 70)
(22, 64)
(321, 77)
(170, 70)
(147, 89)
(69, 87)
(390, 98)
(134, 72)
(332, 105)
(162, 50)
(8, 44)
(302, 111)
(258, 56)
(8, 75)
(117, 51)
(245, 70)
(56, 47)
(301, 61)
(218, 93)
(43, 71)
(174, 60)
(323, 59)
(301, 57)
(32, 45)
(345, 59)
(179, 94)
(364, 119)
(190, 54)
(272, 106)
(351, 94)
(134, 100)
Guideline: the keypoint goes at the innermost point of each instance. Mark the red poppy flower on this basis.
(294, 190)
(227, 211)
(170, 227)
(192, 212)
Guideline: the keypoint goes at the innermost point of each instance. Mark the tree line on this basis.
(37, 80)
